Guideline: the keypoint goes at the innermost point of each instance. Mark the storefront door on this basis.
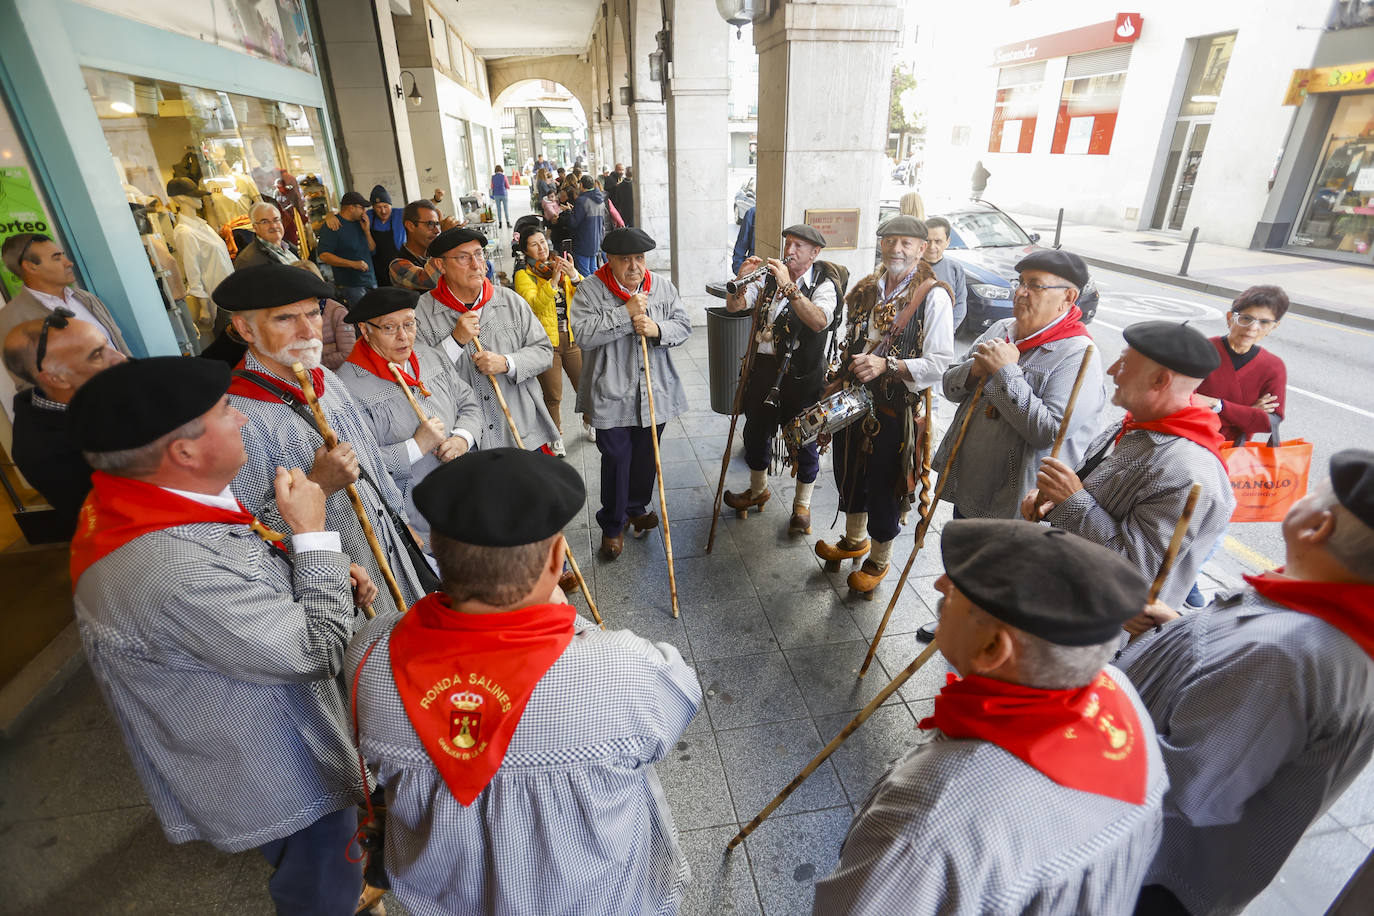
(1211, 57)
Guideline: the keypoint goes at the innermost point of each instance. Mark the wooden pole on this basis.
(330, 441)
(510, 421)
(835, 743)
(745, 365)
(923, 526)
(1073, 399)
(1176, 542)
(658, 472)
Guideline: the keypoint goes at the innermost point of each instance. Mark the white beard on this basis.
(307, 354)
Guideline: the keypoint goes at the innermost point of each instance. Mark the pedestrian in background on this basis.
(980, 180)
(1248, 389)
(388, 234)
(500, 189)
(547, 282)
(588, 225)
(912, 205)
(348, 249)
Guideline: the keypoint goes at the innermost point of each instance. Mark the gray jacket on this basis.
(613, 392)
(1000, 457)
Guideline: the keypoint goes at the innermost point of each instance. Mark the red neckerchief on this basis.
(1194, 423)
(1347, 606)
(245, 388)
(465, 679)
(1070, 325)
(118, 509)
(363, 355)
(620, 292)
(1087, 738)
(445, 296)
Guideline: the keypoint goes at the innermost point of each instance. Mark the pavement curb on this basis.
(1311, 310)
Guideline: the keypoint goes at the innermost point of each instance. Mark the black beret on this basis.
(353, 198)
(1174, 346)
(903, 225)
(629, 240)
(1352, 479)
(500, 497)
(1046, 581)
(806, 234)
(135, 402)
(452, 238)
(1063, 264)
(184, 187)
(381, 301)
(265, 286)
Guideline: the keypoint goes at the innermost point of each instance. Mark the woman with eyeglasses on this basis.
(1250, 386)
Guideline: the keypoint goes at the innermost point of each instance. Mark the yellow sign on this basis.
(1345, 78)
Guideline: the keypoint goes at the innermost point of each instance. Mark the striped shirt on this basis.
(1265, 715)
(575, 821)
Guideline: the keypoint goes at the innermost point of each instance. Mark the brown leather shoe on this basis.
(840, 551)
(567, 581)
(800, 522)
(865, 579)
(743, 502)
(611, 546)
(643, 524)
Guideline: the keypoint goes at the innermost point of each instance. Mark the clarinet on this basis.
(775, 393)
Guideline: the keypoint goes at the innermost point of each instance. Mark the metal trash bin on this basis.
(727, 340)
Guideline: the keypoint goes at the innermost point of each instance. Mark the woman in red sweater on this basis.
(1251, 383)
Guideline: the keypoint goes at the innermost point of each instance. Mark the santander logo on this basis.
(1127, 27)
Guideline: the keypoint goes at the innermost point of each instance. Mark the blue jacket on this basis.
(744, 242)
(586, 221)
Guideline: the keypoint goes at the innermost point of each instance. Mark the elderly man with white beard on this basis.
(275, 309)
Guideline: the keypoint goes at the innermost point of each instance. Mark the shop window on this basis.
(1017, 106)
(439, 41)
(1338, 216)
(1089, 101)
(455, 50)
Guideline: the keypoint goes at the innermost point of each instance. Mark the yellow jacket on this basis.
(539, 293)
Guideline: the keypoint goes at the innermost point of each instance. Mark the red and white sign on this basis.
(1127, 27)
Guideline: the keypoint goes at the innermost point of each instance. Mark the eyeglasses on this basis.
(1034, 287)
(470, 260)
(428, 223)
(1247, 321)
(57, 318)
(391, 330)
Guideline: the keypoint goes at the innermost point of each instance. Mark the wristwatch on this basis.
(894, 365)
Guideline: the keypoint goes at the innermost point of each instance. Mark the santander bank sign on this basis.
(1124, 29)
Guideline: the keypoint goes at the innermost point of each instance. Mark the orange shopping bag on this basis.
(1267, 478)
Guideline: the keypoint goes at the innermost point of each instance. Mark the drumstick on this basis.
(658, 468)
(330, 441)
(510, 421)
(835, 742)
(1073, 398)
(923, 526)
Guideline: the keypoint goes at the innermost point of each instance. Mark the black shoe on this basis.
(927, 632)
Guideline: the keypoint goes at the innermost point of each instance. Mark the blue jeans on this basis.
(502, 204)
(312, 875)
(586, 266)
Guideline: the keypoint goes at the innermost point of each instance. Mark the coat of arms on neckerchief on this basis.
(465, 722)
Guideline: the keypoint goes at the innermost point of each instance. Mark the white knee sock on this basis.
(803, 496)
(758, 481)
(855, 526)
(881, 554)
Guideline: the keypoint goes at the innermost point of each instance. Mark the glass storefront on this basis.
(1337, 219)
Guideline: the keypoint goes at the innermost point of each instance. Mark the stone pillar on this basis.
(814, 58)
(621, 131)
(699, 152)
(649, 125)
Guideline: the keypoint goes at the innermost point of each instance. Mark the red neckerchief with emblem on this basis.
(604, 274)
(1194, 423)
(1087, 738)
(119, 509)
(364, 356)
(1071, 325)
(1347, 606)
(465, 680)
(444, 296)
(245, 388)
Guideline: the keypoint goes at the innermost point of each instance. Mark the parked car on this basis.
(988, 243)
(744, 199)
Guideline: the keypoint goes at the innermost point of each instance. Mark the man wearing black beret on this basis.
(1130, 492)
(1263, 702)
(276, 310)
(385, 319)
(1042, 790)
(467, 310)
(612, 310)
(899, 338)
(515, 740)
(216, 646)
(798, 300)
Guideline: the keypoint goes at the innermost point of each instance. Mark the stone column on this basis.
(822, 125)
(621, 131)
(649, 125)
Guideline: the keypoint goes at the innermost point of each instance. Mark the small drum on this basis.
(841, 409)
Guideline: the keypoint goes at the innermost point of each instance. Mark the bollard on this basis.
(1188, 255)
(1058, 227)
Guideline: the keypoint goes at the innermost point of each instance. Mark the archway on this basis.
(541, 117)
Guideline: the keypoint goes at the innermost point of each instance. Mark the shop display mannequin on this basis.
(202, 254)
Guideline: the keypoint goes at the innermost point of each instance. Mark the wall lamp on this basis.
(414, 95)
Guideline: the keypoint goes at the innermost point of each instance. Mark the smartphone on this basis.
(565, 246)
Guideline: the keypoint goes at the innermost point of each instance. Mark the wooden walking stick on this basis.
(923, 526)
(658, 469)
(520, 443)
(1073, 399)
(1171, 553)
(331, 440)
(835, 742)
(745, 365)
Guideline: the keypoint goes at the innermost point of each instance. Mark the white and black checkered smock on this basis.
(574, 822)
(964, 827)
(220, 664)
(1000, 455)
(393, 422)
(1132, 502)
(276, 435)
(1265, 715)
